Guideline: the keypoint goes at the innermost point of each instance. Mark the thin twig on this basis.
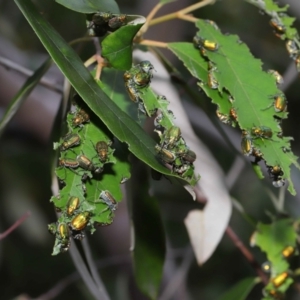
(154, 43)
(15, 225)
(247, 254)
(24, 71)
(150, 16)
(181, 12)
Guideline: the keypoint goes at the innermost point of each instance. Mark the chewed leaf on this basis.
(282, 23)
(270, 5)
(117, 47)
(252, 91)
(273, 239)
(278, 241)
(90, 6)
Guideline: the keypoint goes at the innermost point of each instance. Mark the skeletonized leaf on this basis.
(238, 73)
(273, 239)
(211, 184)
(119, 123)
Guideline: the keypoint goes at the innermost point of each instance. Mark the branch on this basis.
(15, 225)
(247, 254)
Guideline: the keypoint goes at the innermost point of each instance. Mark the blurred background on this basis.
(28, 270)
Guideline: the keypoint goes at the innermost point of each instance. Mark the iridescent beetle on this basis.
(278, 26)
(262, 132)
(171, 136)
(292, 48)
(72, 205)
(99, 24)
(246, 143)
(280, 279)
(280, 103)
(80, 118)
(117, 21)
(86, 164)
(201, 43)
(107, 198)
(133, 93)
(102, 149)
(223, 118)
(70, 140)
(63, 234)
(277, 76)
(288, 251)
(80, 221)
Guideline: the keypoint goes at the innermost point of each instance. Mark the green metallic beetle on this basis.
(278, 26)
(52, 228)
(292, 48)
(64, 237)
(201, 43)
(80, 221)
(246, 143)
(102, 149)
(262, 132)
(70, 140)
(72, 205)
(86, 164)
(133, 93)
(171, 137)
(277, 76)
(80, 118)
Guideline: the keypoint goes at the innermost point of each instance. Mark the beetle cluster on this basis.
(136, 79)
(172, 149)
(81, 203)
(229, 115)
(103, 22)
(292, 45)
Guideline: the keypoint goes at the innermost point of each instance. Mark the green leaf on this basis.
(270, 5)
(23, 93)
(153, 103)
(197, 65)
(272, 239)
(119, 123)
(241, 290)
(117, 47)
(239, 74)
(91, 6)
(149, 249)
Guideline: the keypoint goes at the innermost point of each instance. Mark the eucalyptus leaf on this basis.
(119, 123)
(91, 6)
